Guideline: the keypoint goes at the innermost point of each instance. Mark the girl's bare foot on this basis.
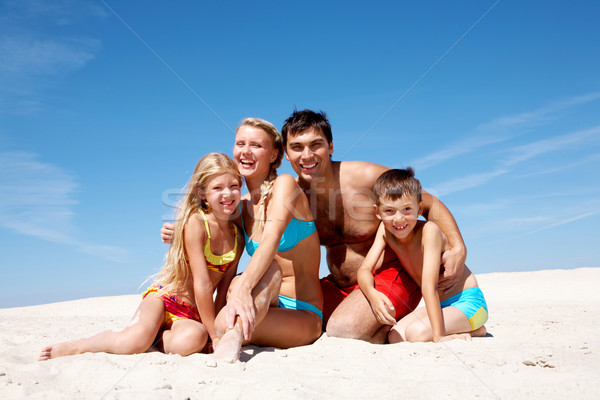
(58, 350)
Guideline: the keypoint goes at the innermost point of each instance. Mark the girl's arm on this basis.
(223, 286)
(432, 243)
(194, 236)
(381, 306)
(280, 206)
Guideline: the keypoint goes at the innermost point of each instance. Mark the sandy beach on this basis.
(542, 344)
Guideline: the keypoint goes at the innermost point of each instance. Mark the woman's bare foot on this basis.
(58, 350)
(479, 332)
(228, 349)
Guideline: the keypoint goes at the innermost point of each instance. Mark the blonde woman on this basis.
(277, 300)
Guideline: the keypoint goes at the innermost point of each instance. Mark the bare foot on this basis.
(228, 349)
(479, 332)
(58, 350)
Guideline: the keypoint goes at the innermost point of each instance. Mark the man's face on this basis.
(309, 153)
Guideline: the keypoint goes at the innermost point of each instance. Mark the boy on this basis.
(418, 245)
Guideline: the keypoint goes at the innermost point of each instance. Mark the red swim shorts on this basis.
(396, 284)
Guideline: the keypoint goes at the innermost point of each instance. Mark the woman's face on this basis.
(253, 152)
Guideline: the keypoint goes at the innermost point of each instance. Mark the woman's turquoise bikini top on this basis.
(294, 233)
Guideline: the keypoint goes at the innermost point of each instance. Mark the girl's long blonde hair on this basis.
(267, 186)
(176, 270)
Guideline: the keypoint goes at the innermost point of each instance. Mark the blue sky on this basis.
(105, 107)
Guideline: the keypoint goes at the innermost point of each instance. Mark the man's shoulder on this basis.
(363, 172)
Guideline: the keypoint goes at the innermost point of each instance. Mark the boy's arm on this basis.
(381, 306)
(432, 249)
(454, 258)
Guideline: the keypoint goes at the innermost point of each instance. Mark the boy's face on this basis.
(309, 153)
(399, 216)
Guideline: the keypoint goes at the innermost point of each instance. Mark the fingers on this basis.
(166, 232)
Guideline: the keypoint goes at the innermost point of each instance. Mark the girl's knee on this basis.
(188, 341)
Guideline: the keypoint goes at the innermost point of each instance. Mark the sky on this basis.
(105, 107)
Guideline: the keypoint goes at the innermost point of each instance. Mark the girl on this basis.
(277, 300)
(178, 312)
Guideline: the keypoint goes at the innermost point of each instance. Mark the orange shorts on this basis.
(175, 308)
(396, 284)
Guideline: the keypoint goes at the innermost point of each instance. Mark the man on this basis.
(340, 195)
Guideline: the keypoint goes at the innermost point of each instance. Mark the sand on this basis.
(543, 343)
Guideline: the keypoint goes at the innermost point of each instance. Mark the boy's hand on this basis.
(383, 309)
(453, 261)
(166, 233)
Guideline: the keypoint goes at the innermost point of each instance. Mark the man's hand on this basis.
(240, 303)
(383, 308)
(453, 261)
(166, 233)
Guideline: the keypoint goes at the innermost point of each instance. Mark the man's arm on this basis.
(166, 232)
(454, 258)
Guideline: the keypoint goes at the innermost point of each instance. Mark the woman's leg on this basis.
(137, 337)
(184, 337)
(265, 294)
(286, 328)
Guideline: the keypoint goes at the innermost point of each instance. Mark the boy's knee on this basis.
(418, 332)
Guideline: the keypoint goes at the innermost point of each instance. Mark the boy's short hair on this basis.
(397, 183)
(300, 121)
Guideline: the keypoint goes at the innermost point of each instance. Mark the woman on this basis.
(277, 300)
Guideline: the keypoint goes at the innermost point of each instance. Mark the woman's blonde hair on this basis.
(176, 270)
(267, 186)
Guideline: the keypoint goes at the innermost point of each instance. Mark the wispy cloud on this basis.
(501, 129)
(536, 117)
(583, 161)
(31, 55)
(456, 149)
(37, 200)
(25, 56)
(561, 220)
(467, 182)
(534, 149)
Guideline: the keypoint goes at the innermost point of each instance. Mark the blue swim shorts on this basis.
(295, 304)
(472, 303)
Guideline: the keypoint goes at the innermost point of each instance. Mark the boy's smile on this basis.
(399, 216)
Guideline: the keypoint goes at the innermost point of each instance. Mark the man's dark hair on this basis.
(300, 121)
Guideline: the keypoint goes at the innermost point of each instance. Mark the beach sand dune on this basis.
(543, 344)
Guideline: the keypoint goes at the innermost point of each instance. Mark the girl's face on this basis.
(253, 152)
(223, 193)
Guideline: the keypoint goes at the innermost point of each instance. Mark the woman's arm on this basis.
(194, 237)
(279, 213)
(380, 304)
(432, 242)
